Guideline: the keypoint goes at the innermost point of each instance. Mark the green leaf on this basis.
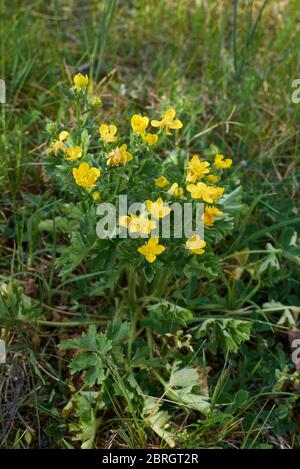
(85, 431)
(73, 255)
(89, 359)
(118, 330)
(166, 316)
(225, 334)
(158, 420)
(149, 273)
(188, 386)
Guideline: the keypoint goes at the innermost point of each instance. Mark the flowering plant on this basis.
(147, 250)
(96, 163)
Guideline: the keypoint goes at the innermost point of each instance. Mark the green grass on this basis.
(228, 72)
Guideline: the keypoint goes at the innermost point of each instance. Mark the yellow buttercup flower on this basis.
(119, 156)
(217, 192)
(74, 153)
(80, 81)
(201, 191)
(168, 121)
(197, 169)
(151, 139)
(195, 244)
(157, 209)
(220, 163)
(108, 133)
(151, 249)
(85, 176)
(58, 144)
(212, 178)
(207, 193)
(161, 182)
(139, 123)
(138, 223)
(209, 215)
(176, 191)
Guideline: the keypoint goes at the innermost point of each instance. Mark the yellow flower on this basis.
(85, 176)
(197, 169)
(168, 122)
(157, 208)
(74, 153)
(212, 179)
(195, 244)
(119, 155)
(151, 249)
(96, 196)
(108, 132)
(220, 163)
(138, 223)
(80, 81)
(200, 191)
(125, 221)
(55, 147)
(207, 193)
(161, 182)
(151, 139)
(217, 192)
(63, 135)
(58, 144)
(141, 224)
(209, 215)
(139, 123)
(176, 191)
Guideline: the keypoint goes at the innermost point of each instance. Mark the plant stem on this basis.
(132, 281)
(160, 283)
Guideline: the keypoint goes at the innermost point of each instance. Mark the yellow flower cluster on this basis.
(206, 191)
(151, 249)
(176, 191)
(108, 133)
(157, 208)
(119, 156)
(72, 153)
(141, 224)
(196, 169)
(58, 144)
(210, 213)
(200, 178)
(202, 191)
(139, 125)
(138, 223)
